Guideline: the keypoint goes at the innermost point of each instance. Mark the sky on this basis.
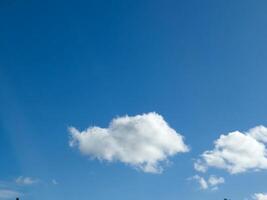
(133, 99)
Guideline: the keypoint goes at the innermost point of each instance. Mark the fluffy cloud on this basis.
(259, 133)
(26, 180)
(142, 141)
(237, 152)
(8, 194)
(260, 196)
(211, 183)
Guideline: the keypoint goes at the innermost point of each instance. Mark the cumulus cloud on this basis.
(8, 194)
(260, 196)
(142, 141)
(211, 183)
(237, 152)
(259, 133)
(26, 180)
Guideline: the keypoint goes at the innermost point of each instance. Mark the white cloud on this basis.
(8, 194)
(260, 196)
(142, 141)
(26, 180)
(237, 152)
(212, 182)
(259, 133)
(199, 166)
(201, 181)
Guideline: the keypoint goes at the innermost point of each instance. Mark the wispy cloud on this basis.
(201, 181)
(9, 194)
(237, 152)
(26, 180)
(211, 183)
(54, 181)
(142, 141)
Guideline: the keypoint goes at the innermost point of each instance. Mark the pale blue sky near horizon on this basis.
(200, 64)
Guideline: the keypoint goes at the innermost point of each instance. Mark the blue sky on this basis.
(201, 65)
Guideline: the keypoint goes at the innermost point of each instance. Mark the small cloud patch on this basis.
(26, 180)
(211, 183)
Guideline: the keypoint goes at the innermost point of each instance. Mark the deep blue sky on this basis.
(200, 64)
